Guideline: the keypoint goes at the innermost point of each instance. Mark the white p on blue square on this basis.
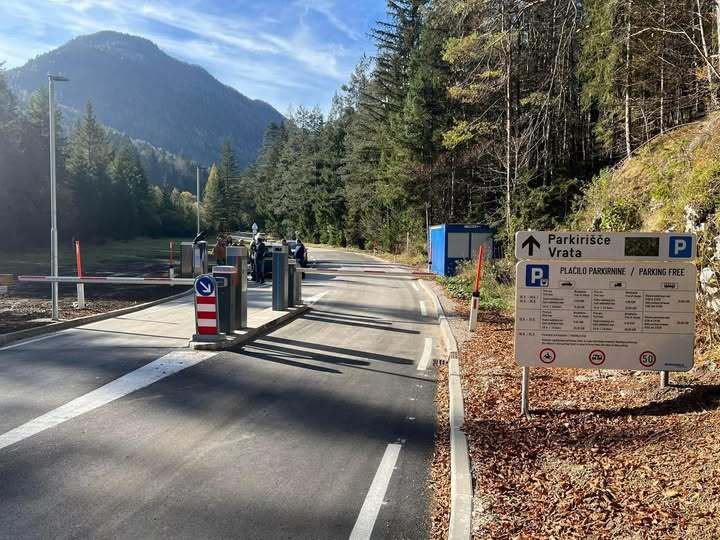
(681, 247)
(537, 275)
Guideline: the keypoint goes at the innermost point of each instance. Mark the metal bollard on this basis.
(279, 277)
(292, 271)
(200, 258)
(227, 280)
(238, 257)
(297, 286)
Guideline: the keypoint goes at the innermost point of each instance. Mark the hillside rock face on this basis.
(139, 90)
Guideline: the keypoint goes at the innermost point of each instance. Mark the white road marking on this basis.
(164, 366)
(416, 286)
(423, 308)
(28, 341)
(426, 355)
(374, 499)
(315, 299)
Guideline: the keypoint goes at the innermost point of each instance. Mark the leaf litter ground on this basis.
(604, 454)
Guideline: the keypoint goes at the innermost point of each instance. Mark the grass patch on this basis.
(497, 292)
(116, 256)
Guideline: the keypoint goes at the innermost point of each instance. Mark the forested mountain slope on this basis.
(139, 90)
(672, 182)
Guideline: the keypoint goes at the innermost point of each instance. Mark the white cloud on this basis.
(327, 9)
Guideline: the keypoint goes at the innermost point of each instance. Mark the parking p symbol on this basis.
(680, 247)
(536, 275)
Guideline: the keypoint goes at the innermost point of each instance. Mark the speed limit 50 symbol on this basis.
(648, 359)
(597, 357)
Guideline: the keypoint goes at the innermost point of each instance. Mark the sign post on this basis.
(206, 313)
(604, 301)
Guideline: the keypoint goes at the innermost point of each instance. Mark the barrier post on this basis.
(475, 299)
(80, 286)
(171, 271)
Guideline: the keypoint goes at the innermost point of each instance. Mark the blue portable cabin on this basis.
(454, 242)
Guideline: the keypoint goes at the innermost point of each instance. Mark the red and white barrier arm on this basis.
(367, 273)
(110, 280)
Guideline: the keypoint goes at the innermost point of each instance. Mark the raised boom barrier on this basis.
(367, 273)
(109, 280)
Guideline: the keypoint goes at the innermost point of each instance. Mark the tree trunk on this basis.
(508, 121)
(662, 72)
(508, 134)
(628, 57)
(708, 64)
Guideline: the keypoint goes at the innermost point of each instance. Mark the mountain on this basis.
(139, 90)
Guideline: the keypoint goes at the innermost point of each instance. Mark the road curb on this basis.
(461, 493)
(274, 320)
(81, 321)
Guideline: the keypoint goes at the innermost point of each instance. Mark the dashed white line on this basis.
(416, 286)
(423, 309)
(426, 355)
(376, 494)
(135, 380)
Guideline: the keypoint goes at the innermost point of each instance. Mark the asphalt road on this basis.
(322, 429)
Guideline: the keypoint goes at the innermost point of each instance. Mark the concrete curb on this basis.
(271, 320)
(461, 493)
(81, 321)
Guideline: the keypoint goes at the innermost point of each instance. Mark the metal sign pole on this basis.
(524, 391)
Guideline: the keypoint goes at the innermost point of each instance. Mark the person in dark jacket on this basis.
(260, 251)
(301, 254)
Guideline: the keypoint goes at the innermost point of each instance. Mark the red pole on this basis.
(478, 273)
(78, 259)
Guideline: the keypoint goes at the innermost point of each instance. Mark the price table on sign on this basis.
(605, 315)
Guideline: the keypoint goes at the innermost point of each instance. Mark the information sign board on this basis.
(604, 246)
(605, 315)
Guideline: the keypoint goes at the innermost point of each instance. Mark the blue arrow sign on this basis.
(205, 285)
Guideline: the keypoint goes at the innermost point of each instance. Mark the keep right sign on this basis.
(605, 315)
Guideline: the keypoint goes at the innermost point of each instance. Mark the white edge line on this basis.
(426, 355)
(32, 340)
(156, 370)
(376, 494)
(416, 286)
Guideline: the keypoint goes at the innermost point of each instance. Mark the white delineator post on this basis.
(171, 268)
(475, 299)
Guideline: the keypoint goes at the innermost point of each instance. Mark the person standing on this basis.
(220, 251)
(301, 254)
(260, 251)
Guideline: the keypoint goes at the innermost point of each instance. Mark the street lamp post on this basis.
(53, 196)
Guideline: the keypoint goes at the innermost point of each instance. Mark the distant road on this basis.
(322, 429)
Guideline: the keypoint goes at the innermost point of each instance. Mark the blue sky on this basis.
(286, 52)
